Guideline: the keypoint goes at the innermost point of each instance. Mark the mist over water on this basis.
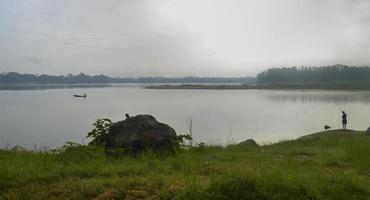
(53, 116)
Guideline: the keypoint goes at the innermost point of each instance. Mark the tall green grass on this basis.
(331, 165)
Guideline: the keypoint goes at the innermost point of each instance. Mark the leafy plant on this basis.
(182, 138)
(72, 152)
(100, 132)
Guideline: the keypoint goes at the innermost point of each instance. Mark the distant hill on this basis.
(17, 78)
(325, 75)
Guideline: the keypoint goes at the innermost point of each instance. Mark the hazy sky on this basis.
(180, 37)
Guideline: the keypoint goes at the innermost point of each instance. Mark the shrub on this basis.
(100, 132)
(76, 153)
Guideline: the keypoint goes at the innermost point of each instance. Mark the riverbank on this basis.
(327, 165)
(354, 87)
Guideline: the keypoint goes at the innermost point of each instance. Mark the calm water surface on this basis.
(53, 116)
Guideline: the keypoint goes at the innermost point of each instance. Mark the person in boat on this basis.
(344, 120)
(84, 96)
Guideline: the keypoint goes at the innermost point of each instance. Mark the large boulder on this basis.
(139, 133)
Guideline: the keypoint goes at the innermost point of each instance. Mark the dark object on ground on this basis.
(76, 95)
(249, 142)
(140, 133)
(18, 148)
(368, 131)
(326, 127)
(127, 115)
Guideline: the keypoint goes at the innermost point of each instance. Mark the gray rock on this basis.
(249, 142)
(139, 133)
(18, 148)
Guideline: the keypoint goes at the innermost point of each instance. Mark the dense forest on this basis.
(335, 74)
(17, 78)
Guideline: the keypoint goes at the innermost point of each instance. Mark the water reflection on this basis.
(319, 97)
(52, 117)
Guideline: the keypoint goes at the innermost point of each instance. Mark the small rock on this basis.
(249, 142)
(18, 148)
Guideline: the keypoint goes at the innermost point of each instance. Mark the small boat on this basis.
(84, 96)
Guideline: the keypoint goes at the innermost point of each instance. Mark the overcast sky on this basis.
(180, 37)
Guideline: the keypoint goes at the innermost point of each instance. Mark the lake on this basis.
(50, 116)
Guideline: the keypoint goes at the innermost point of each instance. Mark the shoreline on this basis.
(261, 87)
(317, 135)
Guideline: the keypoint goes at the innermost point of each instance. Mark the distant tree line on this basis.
(335, 74)
(17, 78)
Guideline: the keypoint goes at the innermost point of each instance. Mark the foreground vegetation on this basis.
(328, 165)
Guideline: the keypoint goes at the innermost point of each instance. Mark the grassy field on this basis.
(329, 165)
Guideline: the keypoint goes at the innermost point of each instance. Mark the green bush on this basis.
(77, 153)
(100, 131)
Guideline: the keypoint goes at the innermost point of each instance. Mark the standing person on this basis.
(344, 120)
